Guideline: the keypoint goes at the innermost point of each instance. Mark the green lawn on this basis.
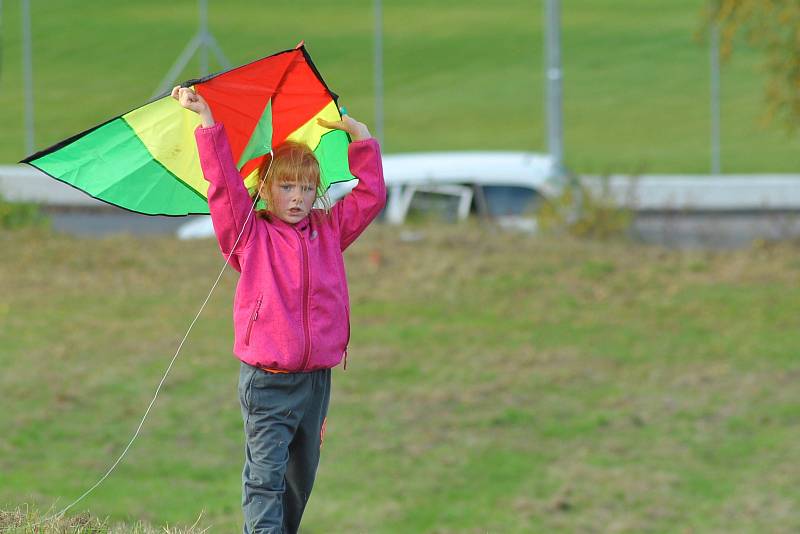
(496, 383)
(459, 75)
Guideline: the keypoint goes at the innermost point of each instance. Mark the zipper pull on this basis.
(258, 307)
(345, 358)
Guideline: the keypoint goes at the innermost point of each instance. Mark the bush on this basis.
(584, 213)
(15, 215)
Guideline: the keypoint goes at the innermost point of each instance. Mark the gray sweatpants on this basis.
(283, 416)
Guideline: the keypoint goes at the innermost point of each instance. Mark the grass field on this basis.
(496, 383)
(461, 74)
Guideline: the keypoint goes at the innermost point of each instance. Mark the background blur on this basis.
(458, 75)
(571, 381)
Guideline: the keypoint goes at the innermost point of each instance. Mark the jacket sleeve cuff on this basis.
(365, 142)
(211, 130)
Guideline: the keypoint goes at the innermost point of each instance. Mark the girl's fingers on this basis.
(333, 125)
(352, 127)
(345, 124)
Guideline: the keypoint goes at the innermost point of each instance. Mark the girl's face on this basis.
(292, 201)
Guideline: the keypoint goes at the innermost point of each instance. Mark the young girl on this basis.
(291, 310)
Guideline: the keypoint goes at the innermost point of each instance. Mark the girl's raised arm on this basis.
(228, 201)
(356, 210)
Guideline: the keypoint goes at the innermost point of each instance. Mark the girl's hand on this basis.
(189, 99)
(358, 131)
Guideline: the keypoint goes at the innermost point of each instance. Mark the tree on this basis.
(774, 27)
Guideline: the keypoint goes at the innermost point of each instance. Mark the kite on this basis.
(146, 160)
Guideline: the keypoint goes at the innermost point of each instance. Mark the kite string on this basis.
(169, 367)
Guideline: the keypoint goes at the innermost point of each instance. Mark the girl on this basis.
(291, 310)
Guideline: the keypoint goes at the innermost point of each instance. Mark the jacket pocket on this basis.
(253, 319)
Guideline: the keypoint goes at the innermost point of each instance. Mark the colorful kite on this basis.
(146, 160)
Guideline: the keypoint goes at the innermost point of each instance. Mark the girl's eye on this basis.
(307, 189)
(286, 187)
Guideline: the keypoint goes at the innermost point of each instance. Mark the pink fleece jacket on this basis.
(291, 311)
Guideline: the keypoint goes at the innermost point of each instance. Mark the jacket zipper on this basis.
(306, 283)
(253, 319)
(347, 343)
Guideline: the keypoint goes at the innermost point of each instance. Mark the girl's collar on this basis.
(301, 226)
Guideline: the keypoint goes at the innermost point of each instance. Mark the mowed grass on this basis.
(496, 383)
(459, 75)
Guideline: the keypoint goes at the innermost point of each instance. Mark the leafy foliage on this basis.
(585, 212)
(774, 26)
